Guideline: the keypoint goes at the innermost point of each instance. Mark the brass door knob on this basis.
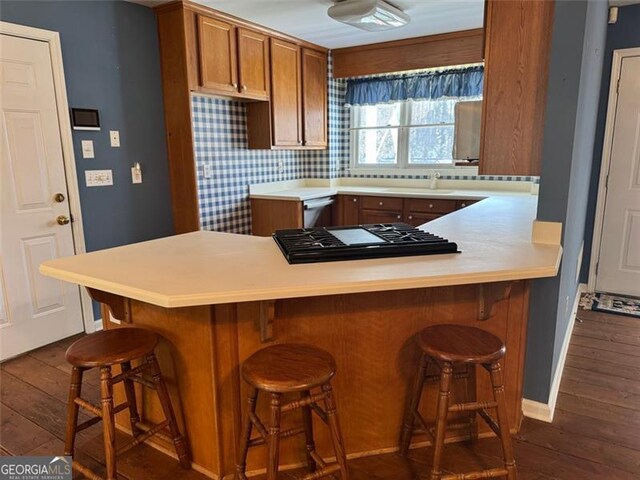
(62, 220)
(59, 197)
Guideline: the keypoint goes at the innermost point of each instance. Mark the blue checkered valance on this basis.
(423, 86)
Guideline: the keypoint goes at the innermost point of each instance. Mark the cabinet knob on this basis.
(234, 85)
(399, 217)
(355, 200)
(380, 203)
(431, 205)
(244, 88)
(463, 205)
(410, 217)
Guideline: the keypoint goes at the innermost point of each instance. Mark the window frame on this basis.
(402, 154)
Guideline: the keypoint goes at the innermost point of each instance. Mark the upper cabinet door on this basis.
(314, 97)
(253, 57)
(218, 55)
(285, 93)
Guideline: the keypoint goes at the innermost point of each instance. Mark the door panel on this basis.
(285, 93)
(253, 56)
(619, 261)
(314, 100)
(34, 310)
(218, 64)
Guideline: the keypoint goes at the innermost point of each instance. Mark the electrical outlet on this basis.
(114, 136)
(98, 178)
(566, 305)
(280, 166)
(136, 173)
(207, 170)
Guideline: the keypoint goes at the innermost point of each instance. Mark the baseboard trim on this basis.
(545, 411)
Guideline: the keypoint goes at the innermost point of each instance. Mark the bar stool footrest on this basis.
(86, 471)
(490, 473)
(324, 471)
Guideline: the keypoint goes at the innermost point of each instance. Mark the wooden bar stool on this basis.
(102, 350)
(446, 346)
(287, 368)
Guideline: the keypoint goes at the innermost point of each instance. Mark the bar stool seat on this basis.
(286, 369)
(103, 350)
(446, 346)
(111, 346)
(460, 344)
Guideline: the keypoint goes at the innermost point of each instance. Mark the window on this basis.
(408, 134)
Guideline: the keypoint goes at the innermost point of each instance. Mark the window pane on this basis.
(433, 111)
(377, 146)
(430, 145)
(377, 115)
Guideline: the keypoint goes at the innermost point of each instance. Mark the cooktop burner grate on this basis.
(358, 242)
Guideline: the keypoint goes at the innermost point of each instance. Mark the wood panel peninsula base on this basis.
(371, 336)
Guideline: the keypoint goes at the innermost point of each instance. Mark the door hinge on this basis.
(597, 267)
(618, 86)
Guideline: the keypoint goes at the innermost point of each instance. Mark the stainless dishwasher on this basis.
(313, 210)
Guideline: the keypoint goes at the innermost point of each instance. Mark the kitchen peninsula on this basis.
(217, 298)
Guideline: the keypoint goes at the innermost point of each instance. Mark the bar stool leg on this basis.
(307, 422)
(165, 400)
(108, 423)
(470, 384)
(75, 389)
(412, 406)
(441, 419)
(274, 437)
(503, 420)
(130, 392)
(241, 465)
(336, 434)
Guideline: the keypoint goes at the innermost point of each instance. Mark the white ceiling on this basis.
(308, 19)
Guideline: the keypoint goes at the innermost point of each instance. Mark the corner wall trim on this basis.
(545, 411)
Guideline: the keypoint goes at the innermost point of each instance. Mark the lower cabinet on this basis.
(271, 215)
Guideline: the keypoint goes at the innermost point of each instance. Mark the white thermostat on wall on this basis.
(85, 119)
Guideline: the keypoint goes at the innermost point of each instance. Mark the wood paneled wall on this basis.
(456, 48)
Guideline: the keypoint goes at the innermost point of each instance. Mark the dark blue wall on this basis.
(623, 34)
(112, 63)
(574, 83)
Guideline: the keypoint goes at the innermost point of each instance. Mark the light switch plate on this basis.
(207, 170)
(87, 149)
(136, 175)
(98, 178)
(114, 136)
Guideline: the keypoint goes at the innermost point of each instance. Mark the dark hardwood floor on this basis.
(594, 435)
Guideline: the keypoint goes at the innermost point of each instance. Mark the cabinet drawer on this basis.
(430, 205)
(382, 203)
(464, 203)
(415, 219)
(379, 216)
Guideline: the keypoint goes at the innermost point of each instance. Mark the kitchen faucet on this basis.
(434, 179)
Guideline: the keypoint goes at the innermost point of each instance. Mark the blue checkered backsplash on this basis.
(220, 139)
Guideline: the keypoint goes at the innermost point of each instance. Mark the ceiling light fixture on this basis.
(371, 15)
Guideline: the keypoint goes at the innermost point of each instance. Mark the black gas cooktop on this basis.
(328, 244)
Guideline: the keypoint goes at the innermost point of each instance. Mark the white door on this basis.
(618, 269)
(34, 310)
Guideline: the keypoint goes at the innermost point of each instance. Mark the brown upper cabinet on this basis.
(218, 55)
(314, 101)
(517, 45)
(253, 61)
(286, 95)
(233, 61)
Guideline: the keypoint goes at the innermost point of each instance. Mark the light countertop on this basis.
(200, 268)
